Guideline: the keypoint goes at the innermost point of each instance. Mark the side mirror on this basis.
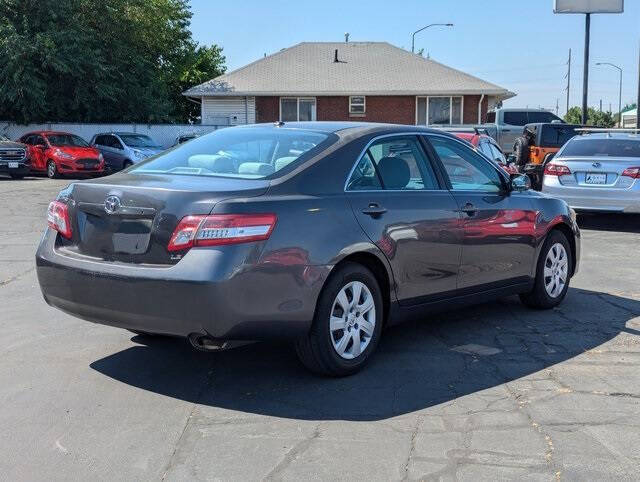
(520, 182)
(511, 159)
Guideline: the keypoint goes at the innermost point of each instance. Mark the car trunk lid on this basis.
(129, 218)
(597, 173)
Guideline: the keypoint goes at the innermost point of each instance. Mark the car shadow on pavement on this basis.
(623, 223)
(418, 364)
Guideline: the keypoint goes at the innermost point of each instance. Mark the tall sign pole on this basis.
(585, 75)
(587, 7)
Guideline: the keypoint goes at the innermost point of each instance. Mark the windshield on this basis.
(137, 140)
(603, 147)
(247, 153)
(70, 140)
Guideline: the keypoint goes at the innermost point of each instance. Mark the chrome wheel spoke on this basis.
(336, 323)
(343, 301)
(341, 346)
(366, 306)
(356, 290)
(355, 348)
(366, 326)
(556, 270)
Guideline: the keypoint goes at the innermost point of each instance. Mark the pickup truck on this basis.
(13, 158)
(504, 125)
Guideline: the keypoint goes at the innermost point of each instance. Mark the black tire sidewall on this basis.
(349, 273)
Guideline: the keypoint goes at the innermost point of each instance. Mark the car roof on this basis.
(47, 133)
(608, 136)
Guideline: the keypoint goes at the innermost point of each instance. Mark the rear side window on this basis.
(602, 147)
(393, 163)
(515, 118)
(240, 152)
(556, 135)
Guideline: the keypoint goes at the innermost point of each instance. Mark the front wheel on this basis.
(347, 323)
(552, 273)
(52, 170)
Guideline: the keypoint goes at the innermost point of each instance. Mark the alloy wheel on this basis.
(556, 270)
(352, 320)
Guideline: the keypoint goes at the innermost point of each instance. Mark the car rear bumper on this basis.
(210, 291)
(583, 198)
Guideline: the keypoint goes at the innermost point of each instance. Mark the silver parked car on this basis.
(597, 172)
(123, 149)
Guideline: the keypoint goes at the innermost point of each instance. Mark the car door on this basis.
(117, 151)
(498, 224)
(401, 205)
(37, 154)
(512, 126)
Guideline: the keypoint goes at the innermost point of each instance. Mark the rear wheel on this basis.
(347, 324)
(52, 170)
(552, 273)
(521, 150)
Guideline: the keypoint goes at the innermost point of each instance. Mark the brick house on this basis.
(360, 81)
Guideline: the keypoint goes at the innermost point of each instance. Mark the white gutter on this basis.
(480, 109)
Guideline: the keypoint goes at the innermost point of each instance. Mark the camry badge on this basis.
(112, 204)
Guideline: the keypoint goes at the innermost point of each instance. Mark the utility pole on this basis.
(568, 77)
(638, 98)
(557, 106)
(600, 105)
(585, 75)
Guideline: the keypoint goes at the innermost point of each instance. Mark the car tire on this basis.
(330, 346)
(52, 170)
(17, 176)
(521, 150)
(554, 263)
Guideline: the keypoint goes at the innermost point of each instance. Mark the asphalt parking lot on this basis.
(496, 391)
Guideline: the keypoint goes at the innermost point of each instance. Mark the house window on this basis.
(439, 110)
(356, 104)
(294, 109)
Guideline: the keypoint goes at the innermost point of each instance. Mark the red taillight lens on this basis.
(633, 172)
(58, 218)
(552, 169)
(219, 229)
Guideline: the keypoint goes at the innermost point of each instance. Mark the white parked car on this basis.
(597, 172)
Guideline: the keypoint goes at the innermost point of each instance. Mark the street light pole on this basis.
(413, 35)
(585, 75)
(620, 91)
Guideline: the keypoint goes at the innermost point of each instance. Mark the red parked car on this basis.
(59, 153)
(487, 146)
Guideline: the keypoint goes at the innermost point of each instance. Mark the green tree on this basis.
(594, 117)
(98, 60)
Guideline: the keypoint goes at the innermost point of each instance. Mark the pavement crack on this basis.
(412, 446)
(16, 277)
(293, 453)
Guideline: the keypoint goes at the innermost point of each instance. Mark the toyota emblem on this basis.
(112, 204)
(596, 164)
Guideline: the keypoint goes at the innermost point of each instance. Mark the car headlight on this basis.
(63, 155)
(138, 154)
(100, 157)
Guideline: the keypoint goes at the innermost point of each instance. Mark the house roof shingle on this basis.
(366, 68)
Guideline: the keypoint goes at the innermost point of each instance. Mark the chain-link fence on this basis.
(165, 135)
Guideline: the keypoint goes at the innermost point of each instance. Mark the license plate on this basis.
(14, 165)
(595, 178)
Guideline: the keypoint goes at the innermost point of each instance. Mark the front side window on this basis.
(393, 163)
(439, 110)
(137, 140)
(466, 169)
(246, 153)
(515, 118)
(294, 109)
(356, 104)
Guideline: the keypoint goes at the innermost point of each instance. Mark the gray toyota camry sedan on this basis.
(321, 233)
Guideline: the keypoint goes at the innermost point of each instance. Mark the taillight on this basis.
(633, 172)
(552, 169)
(58, 218)
(218, 229)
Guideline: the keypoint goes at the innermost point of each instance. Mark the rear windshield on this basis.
(138, 140)
(70, 140)
(556, 136)
(241, 152)
(603, 147)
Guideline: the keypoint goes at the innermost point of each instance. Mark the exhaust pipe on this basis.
(206, 343)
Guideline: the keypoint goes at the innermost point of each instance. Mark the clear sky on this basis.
(517, 44)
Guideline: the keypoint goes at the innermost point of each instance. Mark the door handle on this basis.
(470, 209)
(374, 210)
